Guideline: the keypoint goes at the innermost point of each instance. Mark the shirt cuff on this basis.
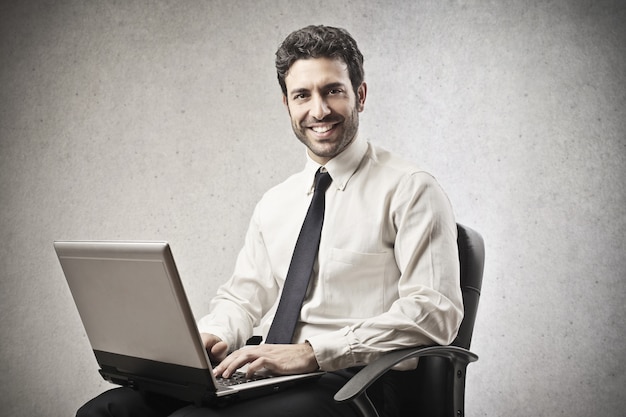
(333, 350)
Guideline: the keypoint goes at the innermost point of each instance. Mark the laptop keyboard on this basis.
(239, 378)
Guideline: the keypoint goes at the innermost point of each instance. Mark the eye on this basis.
(335, 91)
(300, 96)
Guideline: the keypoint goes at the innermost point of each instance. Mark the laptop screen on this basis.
(131, 302)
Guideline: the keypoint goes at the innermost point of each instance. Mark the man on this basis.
(386, 273)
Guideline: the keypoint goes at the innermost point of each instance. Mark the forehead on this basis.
(312, 72)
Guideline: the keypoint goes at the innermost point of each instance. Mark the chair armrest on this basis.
(368, 375)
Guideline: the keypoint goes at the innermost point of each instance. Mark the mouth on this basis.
(323, 130)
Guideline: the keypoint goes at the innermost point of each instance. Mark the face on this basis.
(323, 107)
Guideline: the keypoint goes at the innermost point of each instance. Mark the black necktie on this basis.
(301, 265)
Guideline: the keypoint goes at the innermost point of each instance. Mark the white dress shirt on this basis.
(387, 273)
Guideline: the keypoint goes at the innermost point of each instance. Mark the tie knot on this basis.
(322, 180)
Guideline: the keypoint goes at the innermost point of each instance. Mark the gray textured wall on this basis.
(163, 120)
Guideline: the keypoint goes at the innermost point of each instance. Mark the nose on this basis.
(319, 107)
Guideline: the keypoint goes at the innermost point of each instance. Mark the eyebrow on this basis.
(334, 85)
(299, 91)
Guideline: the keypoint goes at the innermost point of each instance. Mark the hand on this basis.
(216, 348)
(278, 359)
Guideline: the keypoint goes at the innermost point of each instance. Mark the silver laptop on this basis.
(140, 325)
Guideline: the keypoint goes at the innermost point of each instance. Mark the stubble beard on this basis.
(350, 126)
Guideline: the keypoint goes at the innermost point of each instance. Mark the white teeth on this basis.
(322, 129)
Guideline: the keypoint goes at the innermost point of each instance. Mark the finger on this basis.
(209, 340)
(219, 369)
(240, 358)
(218, 351)
(237, 362)
(256, 365)
(227, 366)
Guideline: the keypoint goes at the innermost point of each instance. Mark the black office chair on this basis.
(440, 375)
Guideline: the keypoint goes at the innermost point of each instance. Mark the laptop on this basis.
(140, 325)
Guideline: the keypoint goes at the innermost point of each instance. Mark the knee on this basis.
(92, 408)
(96, 407)
(105, 404)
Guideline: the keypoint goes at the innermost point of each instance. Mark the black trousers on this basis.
(391, 395)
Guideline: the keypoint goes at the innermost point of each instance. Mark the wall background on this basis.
(163, 120)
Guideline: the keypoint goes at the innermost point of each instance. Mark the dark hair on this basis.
(320, 42)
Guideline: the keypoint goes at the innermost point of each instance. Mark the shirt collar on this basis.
(341, 167)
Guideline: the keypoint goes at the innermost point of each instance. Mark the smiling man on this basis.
(385, 270)
(323, 106)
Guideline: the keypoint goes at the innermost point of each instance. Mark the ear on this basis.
(361, 95)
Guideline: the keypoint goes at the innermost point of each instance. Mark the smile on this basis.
(322, 129)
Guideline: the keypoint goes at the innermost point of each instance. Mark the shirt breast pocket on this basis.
(355, 284)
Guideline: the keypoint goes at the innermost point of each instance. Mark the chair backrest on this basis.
(472, 260)
(439, 389)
